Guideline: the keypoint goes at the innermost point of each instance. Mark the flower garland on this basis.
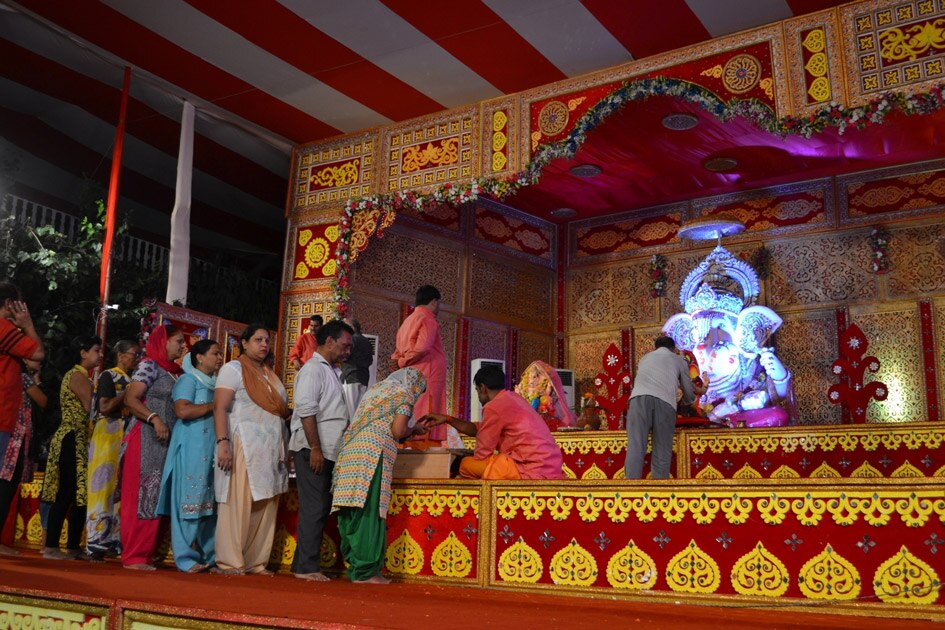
(879, 241)
(833, 115)
(657, 275)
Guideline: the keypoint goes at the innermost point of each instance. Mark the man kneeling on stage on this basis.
(512, 441)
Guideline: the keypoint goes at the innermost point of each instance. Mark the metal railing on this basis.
(132, 250)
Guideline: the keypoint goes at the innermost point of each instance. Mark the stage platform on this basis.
(36, 593)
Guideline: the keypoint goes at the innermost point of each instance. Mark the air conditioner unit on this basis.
(567, 381)
(475, 409)
(375, 344)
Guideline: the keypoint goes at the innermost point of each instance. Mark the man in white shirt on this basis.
(319, 419)
(653, 408)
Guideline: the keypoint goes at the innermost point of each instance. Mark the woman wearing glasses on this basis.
(102, 519)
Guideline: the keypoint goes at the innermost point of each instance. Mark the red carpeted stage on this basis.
(34, 592)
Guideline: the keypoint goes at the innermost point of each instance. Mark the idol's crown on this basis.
(707, 299)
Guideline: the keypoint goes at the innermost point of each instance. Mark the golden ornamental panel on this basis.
(534, 347)
(821, 270)
(584, 357)
(456, 503)
(297, 310)
(917, 255)
(425, 153)
(914, 508)
(390, 266)
(807, 345)
(487, 340)
(329, 173)
(611, 296)
(692, 570)
(815, 66)
(901, 363)
(573, 565)
(631, 568)
(502, 149)
(906, 579)
(451, 558)
(517, 293)
(520, 564)
(892, 45)
(938, 332)
(18, 611)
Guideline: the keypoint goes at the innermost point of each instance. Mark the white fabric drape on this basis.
(179, 258)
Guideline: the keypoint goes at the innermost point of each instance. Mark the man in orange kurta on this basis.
(419, 346)
(305, 346)
(512, 441)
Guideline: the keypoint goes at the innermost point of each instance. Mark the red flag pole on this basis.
(105, 281)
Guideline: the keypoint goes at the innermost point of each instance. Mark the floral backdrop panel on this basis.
(615, 295)
(829, 269)
(298, 310)
(807, 345)
(901, 363)
(917, 261)
(519, 293)
(513, 231)
(401, 263)
(585, 354)
(631, 234)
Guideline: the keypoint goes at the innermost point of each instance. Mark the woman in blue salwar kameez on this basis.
(187, 495)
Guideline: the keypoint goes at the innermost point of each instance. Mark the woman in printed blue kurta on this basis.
(187, 485)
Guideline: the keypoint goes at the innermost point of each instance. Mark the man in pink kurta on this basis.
(419, 346)
(512, 441)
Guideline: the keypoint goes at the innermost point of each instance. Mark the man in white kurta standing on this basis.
(319, 419)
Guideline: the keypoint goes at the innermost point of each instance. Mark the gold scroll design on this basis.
(500, 140)
(829, 576)
(434, 502)
(553, 118)
(451, 558)
(335, 176)
(919, 40)
(844, 508)
(363, 226)
(520, 564)
(404, 556)
(585, 445)
(741, 73)
(693, 571)
(15, 615)
(418, 157)
(573, 565)
(817, 66)
(760, 572)
(905, 579)
(631, 568)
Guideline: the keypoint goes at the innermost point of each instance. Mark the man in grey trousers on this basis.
(653, 408)
(319, 419)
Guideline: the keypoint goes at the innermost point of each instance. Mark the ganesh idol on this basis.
(727, 332)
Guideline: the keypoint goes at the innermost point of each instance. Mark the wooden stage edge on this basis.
(80, 596)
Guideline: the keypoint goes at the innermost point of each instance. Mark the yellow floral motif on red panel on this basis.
(499, 120)
(905, 579)
(819, 89)
(715, 72)
(283, 547)
(333, 176)
(815, 41)
(915, 41)
(573, 566)
(404, 556)
(829, 576)
(631, 568)
(520, 563)
(817, 65)
(760, 572)
(419, 157)
(328, 552)
(693, 571)
(451, 558)
(866, 470)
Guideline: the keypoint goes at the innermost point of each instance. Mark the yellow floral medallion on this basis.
(693, 571)
(573, 566)
(830, 576)
(760, 572)
(631, 568)
(905, 579)
(451, 558)
(520, 564)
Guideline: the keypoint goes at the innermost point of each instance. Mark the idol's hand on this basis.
(772, 365)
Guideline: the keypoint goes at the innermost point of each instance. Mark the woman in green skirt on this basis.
(361, 490)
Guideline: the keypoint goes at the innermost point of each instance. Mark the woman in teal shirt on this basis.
(187, 485)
